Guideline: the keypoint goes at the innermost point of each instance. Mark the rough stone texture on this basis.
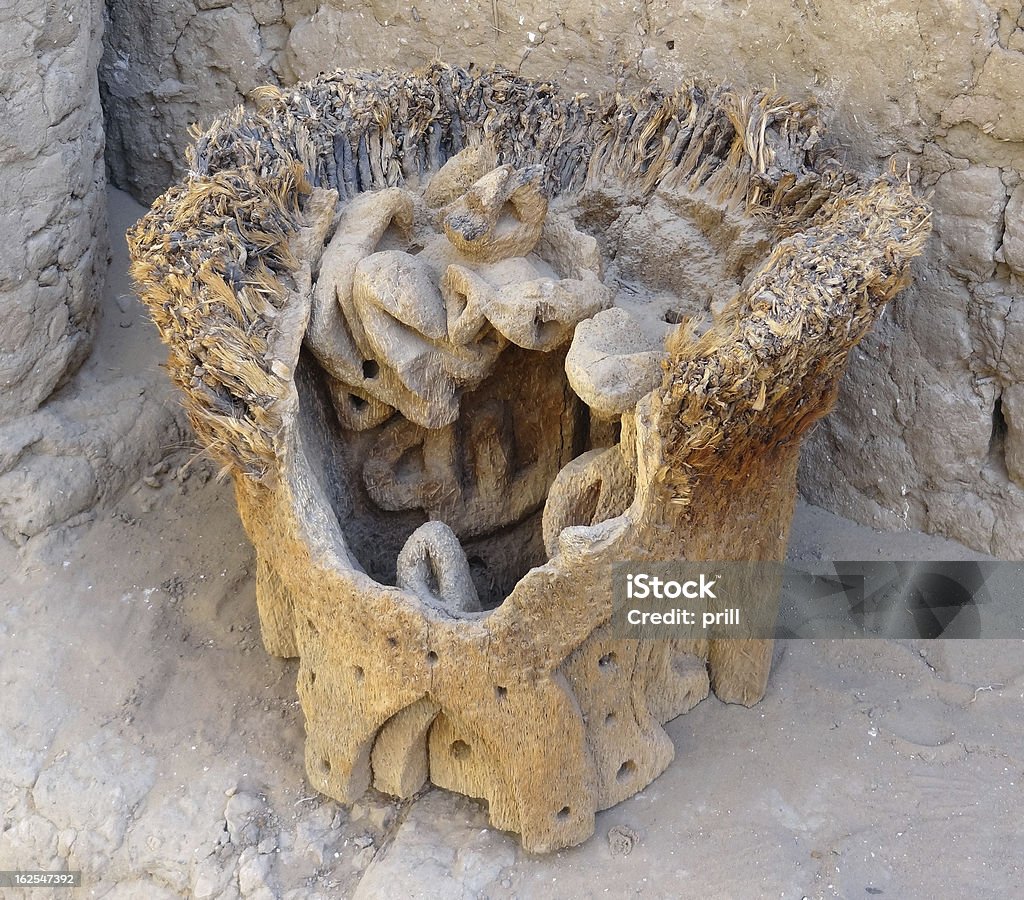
(419, 863)
(1013, 413)
(71, 436)
(78, 451)
(933, 82)
(93, 436)
(1013, 235)
(52, 217)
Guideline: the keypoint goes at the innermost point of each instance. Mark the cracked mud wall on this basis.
(53, 217)
(929, 429)
(74, 429)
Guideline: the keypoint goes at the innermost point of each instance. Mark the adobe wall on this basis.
(53, 218)
(75, 430)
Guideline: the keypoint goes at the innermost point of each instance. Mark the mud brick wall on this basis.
(53, 216)
(74, 430)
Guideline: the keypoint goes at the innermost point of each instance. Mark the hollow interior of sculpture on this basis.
(476, 353)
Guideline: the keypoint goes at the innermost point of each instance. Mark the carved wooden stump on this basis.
(463, 343)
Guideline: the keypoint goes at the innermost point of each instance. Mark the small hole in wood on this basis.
(326, 763)
(609, 719)
(312, 678)
(359, 673)
(370, 368)
(460, 750)
(500, 692)
(626, 771)
(562, 814)
(670, 45)
(358, 403)
(431, 657)
(607, 662)
(392, 641)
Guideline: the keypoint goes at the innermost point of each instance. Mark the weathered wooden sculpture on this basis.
(463, 343)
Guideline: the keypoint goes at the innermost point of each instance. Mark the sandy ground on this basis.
(148, 740)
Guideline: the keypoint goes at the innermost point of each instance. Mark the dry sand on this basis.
(147, 738)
